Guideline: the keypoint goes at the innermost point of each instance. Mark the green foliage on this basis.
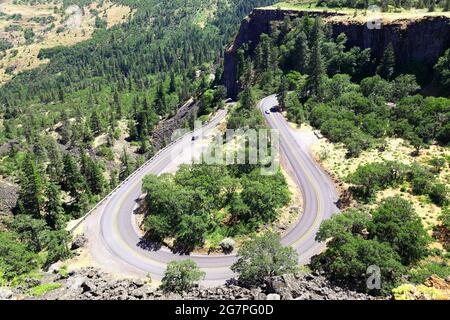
(347, 261)
(391, 237)
(262, 257)
(396, 222)
(42, 289)
(181, 276)
(351, 221)
(15, 258)
(443, 70)
(262, 196)
(372, 177)
(444, 217)
(387, 64)
(427, 269)
(5, 45)
(358, 115)
(31, 193)
(246, 115)
(187, 205)
(316, 72)
(137, 72)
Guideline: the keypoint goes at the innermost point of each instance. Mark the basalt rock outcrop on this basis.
(417, 40)
(92, 284)
(162, 134)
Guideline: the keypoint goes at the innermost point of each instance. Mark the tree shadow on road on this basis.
(182, 249)
(150, 243)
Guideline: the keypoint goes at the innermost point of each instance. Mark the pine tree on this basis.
(132, 131)
(301, 49)
(282, 93)
(31, 197)
(113, 180)
(55, 167)
(95, 123)
(387, 63)
(160, 103)
(118, 105)
(60, 94)
(247, 99)
(53, 207)
(141, 125)
(126, 166)
(92, 173)
(72, 179)
(316, 69)
(172, 84)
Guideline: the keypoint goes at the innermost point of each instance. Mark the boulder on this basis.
(273, 296)
(79, 242)
(6, 294)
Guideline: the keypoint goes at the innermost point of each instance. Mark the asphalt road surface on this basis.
(115, 241)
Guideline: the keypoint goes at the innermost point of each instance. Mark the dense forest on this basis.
(121, 82)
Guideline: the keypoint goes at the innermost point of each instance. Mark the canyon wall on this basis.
(418, 40)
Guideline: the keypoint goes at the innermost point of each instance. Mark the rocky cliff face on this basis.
(419, 40)
(162, 134)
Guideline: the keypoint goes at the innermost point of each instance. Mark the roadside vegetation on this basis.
(206, 204)
(260, 258)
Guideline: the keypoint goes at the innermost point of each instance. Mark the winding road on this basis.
(114, 239)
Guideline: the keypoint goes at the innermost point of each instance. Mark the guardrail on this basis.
(148, 162)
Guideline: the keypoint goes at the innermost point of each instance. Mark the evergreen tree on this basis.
(282, 93)
(31, 197)
(93, 174)
(55, 167)
(95, 123)
(72, 181)
(431, 6)
(302, 52)
(387, 63)
(160, 102)
(126, 166)
(53, 207)
(132, 130)
(172, 84)
(247, 99)
(316, 69)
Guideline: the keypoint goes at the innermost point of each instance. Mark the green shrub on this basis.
(423, 272)
(42, 289)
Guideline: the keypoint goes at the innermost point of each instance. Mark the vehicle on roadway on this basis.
(267, 111)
